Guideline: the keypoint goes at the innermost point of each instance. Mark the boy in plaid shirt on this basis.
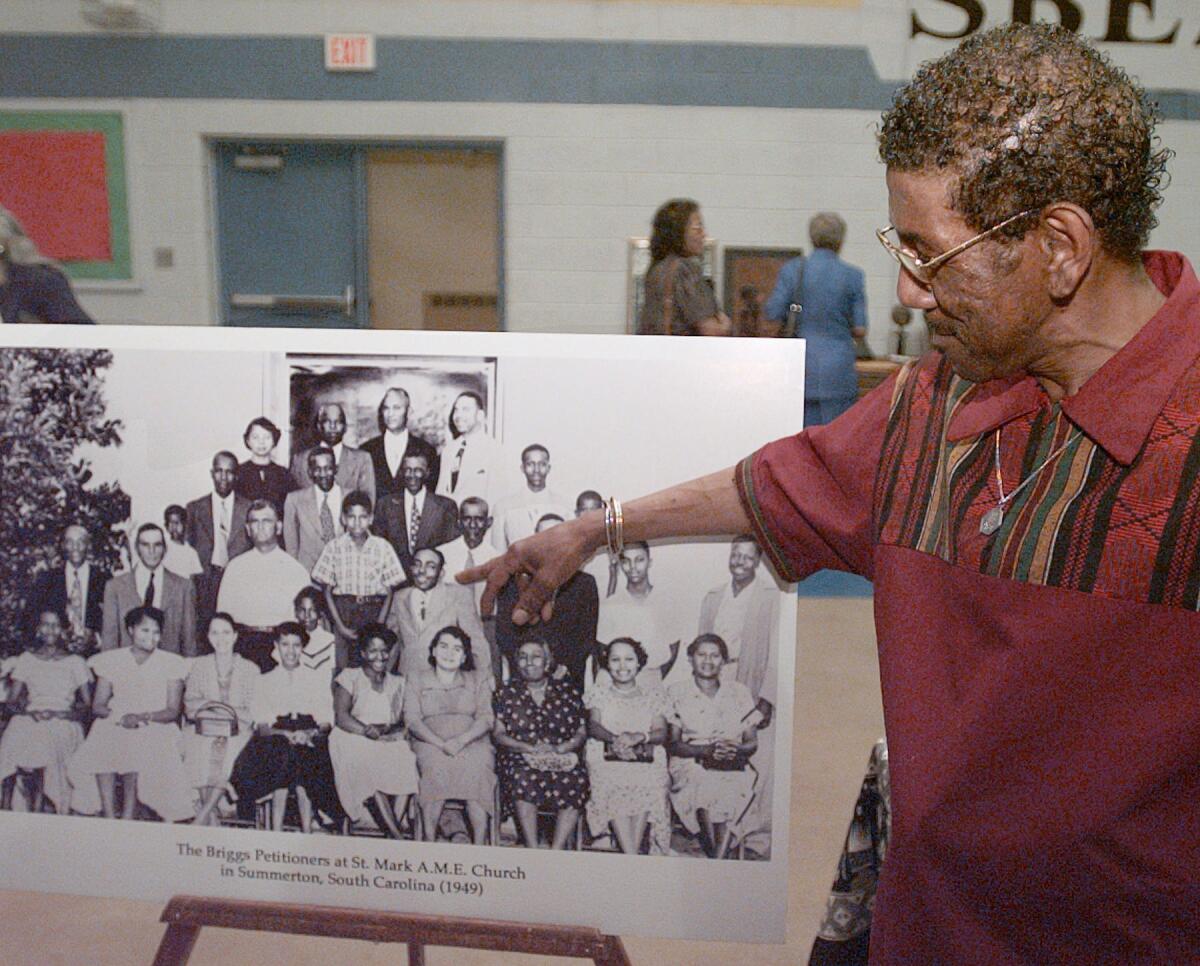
(358, 572)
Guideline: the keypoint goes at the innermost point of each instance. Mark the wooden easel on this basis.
(185, 915)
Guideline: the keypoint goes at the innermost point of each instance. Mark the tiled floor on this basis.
(837, 719)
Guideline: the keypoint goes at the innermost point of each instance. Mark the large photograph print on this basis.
(234, 660)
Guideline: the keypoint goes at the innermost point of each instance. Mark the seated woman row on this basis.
(256, 736)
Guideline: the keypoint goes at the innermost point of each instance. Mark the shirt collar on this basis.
(1117, 406)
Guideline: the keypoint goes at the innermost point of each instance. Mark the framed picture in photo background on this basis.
(638, 264)
(749, 278)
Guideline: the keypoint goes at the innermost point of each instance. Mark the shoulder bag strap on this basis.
(669, 301)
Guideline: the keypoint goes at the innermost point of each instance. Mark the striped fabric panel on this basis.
(912, 492)
(1085, 522)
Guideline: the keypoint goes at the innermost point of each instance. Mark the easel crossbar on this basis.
(187, 914)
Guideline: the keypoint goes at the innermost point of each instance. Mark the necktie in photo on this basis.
(326, 520)
(422, 608)
(148, 600)
(413, 526)
(75, 602)
(462, 446)
(220, 555)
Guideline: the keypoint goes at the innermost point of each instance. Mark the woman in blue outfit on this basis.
(833, 313)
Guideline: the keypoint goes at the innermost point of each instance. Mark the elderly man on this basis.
(832, 314)
(75, 589)
(517, 513)
(259, 587)
(1022, 497)
(427, 606)
(312, 516)
(394, 442)
(354, 470)
(150, 584)
(216, 528)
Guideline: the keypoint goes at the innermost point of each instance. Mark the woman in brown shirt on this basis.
(679, 300)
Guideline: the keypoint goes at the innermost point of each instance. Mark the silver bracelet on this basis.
(614, 527)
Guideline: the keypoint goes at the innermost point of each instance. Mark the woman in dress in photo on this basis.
(448, 709)
(374, 766)
(712, 739)
(260, 477)
(217, 698)
(627, 763)
(540, 728)
(293, 714)
(135, 739)
(51, 688)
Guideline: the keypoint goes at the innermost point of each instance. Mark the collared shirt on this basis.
(413, 501)
(368, 571)
(141, 580)
(1039, 683)
(459, 557)
(258, 589)
(623, 615)
(335, 505)
(394, 445)
(516, 515)
(84, 574)
(222, 510)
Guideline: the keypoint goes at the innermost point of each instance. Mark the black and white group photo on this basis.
(229, 600)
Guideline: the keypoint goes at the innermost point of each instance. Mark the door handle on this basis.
(344, 303)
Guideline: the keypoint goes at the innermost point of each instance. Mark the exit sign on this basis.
(349, 51)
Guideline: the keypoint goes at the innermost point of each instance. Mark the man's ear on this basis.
(1070, 240)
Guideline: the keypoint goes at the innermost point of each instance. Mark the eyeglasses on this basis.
(924, 271)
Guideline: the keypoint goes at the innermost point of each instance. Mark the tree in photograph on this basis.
(51, 404)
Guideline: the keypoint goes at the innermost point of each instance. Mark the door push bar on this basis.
(296, 303)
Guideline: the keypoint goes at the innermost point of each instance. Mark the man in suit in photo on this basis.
(394, 442)
(151, 584)
(425, 607)
(75, 589)
(354, 469)
(571, 630)
(414, 518)
(216, 528)
(312, 516)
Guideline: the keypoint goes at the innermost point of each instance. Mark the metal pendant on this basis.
(991, 521)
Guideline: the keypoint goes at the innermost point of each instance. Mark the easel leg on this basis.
(176, 946)
(613, 953)
(416, 954)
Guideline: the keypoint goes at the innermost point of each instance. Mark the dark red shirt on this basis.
(1041, 685)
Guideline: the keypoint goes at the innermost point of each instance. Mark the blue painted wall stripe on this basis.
(430, 69)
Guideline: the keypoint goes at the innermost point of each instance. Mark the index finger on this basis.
(496, 572)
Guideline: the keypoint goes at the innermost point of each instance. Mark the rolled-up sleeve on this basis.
(809, 496)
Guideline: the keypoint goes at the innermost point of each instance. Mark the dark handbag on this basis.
(216, 720)
(643, 753)
(710, 761)
(791, 322)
